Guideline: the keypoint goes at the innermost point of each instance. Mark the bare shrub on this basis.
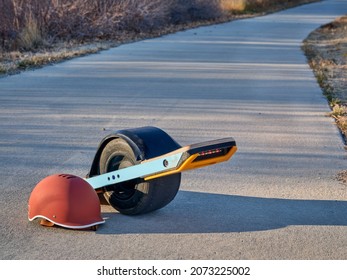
(25, 24)
(78, 19)
(145, 15)
(7, 29)
(183, 11)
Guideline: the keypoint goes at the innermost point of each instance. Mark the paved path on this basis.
(278, 197)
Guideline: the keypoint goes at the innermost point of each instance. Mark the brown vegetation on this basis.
(326, 49)
(44, 27)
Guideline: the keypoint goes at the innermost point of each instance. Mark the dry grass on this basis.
(250, 6)
(326, 50)
(233, 5)
(30, 36)
(27, 24)
(35, 28)
(52, 20)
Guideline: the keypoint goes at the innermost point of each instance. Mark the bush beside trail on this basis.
(28, 26)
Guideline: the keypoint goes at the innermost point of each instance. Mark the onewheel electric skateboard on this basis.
(136, 171)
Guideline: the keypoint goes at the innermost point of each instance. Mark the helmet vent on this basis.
(67, 176)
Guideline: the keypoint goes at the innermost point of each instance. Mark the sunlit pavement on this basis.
(276, 199)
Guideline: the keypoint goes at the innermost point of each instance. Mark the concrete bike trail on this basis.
(277, 198)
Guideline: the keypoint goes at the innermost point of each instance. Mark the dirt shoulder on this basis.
(326, 49)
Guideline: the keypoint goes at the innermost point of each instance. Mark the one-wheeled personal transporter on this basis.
(136, 171)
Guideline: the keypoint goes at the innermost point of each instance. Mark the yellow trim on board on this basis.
(189, 164)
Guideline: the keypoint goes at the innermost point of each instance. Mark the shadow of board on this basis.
(196, 212)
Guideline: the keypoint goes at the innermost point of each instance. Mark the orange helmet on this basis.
(65, 200)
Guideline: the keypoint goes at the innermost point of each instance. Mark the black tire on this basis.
(136, 196)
